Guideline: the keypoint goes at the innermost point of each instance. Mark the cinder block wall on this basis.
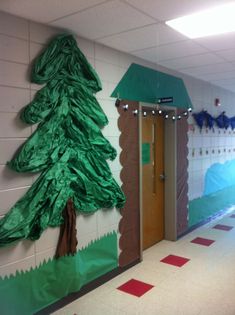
(207, 147)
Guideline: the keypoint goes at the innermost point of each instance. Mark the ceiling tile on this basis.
(219, 76)
(45, 11)
(171, 51)
(191, 61)
(218, 42)
(109, 18)
(220, 67)
(144, 37)
(228, 54)
(225, 82)
(169, 9)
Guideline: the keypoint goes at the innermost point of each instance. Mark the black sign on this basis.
(164, 100)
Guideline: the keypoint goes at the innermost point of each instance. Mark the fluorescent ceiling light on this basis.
(218, 20)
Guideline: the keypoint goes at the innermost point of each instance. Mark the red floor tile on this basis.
(202, 241)
(223, 227)
(135, 287)
(175, 260)
(232, 216)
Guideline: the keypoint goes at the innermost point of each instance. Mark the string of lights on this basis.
(155, 111)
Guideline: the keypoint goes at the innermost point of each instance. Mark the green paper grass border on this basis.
(205, 207)
(30, 291)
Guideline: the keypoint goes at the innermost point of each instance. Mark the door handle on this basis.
(162, 176)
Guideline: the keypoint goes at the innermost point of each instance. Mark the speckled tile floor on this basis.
(205, 285)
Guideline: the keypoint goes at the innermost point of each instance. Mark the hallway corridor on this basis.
(203, 285)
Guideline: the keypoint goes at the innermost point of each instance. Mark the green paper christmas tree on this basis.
(68, 147)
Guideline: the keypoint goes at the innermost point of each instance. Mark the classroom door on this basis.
(152, 179)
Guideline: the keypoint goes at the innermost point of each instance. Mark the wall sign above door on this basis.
(164, 100)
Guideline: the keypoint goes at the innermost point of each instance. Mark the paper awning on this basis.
(151, 86)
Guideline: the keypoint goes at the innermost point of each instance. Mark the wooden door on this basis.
(152, 180)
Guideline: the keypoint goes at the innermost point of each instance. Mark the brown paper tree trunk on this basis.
(67, 242)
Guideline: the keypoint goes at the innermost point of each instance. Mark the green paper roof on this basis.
(148, 85)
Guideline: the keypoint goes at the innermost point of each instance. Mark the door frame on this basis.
(170, 163)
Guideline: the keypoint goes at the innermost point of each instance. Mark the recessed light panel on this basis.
(217, 20)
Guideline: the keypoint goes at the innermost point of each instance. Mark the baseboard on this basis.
(207, 220)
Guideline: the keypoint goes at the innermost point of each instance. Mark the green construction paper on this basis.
(145, 153)
(68, 147)
(144, 84)
(30, 291)
(202, 208)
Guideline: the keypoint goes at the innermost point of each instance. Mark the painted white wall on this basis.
(20, 42)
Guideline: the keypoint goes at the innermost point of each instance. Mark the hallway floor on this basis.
(203, 285)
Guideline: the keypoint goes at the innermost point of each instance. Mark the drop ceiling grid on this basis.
(164, 10)
(133, 40)
(153, 6)
(109, 18)
(173, 51)
(138, 28)
(189, 61)
(45, 11)
(227, 54)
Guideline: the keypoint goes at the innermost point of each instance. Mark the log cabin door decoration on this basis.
(129, 226)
